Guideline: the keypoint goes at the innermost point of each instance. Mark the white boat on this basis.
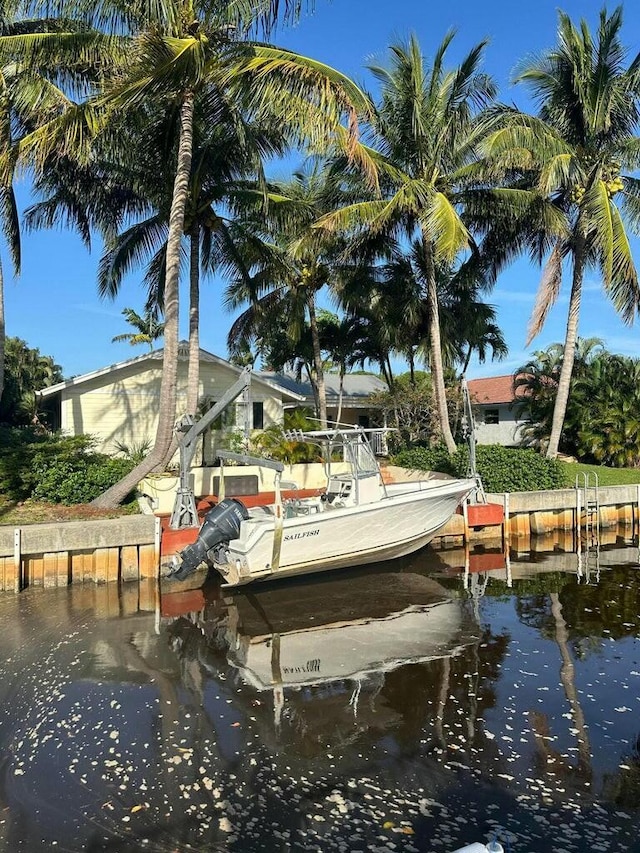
(356, 520)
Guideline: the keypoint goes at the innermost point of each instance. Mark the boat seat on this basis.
(302, 506)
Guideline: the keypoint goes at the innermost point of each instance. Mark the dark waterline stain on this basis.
(413, 706)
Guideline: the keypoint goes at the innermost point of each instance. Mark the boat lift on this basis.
(185, 513)
(470, 434)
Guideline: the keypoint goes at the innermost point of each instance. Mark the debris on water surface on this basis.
(324, 777)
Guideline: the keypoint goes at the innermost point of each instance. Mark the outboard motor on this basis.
(221, 524)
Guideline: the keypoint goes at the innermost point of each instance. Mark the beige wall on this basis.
(124, 406)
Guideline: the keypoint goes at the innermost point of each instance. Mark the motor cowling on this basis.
(221, 524)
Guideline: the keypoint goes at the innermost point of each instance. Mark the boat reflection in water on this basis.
(333, 637)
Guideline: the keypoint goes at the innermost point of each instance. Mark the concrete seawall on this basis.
(104, 550)
(539, 513)
(128, 548)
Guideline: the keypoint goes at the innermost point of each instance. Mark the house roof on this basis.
(493, 390)
(357, 386)
(155, 356)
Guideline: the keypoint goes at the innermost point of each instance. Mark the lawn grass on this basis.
(19, 513)
(606, 476)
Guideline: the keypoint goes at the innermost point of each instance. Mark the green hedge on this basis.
(54, 468)
(502, 469)
(65, 483)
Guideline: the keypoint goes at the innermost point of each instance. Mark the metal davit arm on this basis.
(245, 459)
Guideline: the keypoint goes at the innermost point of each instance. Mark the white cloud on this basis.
(92, 308)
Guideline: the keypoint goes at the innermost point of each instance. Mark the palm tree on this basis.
(301, 262)
(27, 372)
(224, 156)
(429, 132)
(44, 63)
(608, 398)
(341, 339)
(177, 51)
(467, 324)
(585, 141)
(147, 329)
(538, 383)
(25, 96)
(381, 312)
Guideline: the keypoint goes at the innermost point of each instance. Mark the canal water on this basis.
(416, 706)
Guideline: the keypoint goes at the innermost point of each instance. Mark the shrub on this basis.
(435, 458)
(502, 469)
(80, 481)
(24, 454)
(506, 469)
(273, 443)
(15, 460)
(55, 468)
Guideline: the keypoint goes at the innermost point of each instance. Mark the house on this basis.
(119, 404)
(357, 407)
(493, 400)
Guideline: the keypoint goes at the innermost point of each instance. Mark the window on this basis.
(258, 415)
(363, 421)
(492, 416)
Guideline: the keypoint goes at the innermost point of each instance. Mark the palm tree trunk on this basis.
(387, 371)
(437, 368)
(467, 360)
(2, 331)
(193, 377)
(566, 371)
(193, 369)
(317, 361)
(168, 386)
(314, 387)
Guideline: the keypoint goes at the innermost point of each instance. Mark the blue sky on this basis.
(54, 305)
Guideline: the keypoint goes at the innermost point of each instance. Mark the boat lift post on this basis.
(470, 430)
(185, 513)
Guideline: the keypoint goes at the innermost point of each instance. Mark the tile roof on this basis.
(493, 389)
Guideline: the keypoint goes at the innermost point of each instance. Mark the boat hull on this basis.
(404, 521)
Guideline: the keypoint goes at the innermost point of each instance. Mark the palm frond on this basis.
(623, 287)
(548, 291)
(136, 246)
(444, 229)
